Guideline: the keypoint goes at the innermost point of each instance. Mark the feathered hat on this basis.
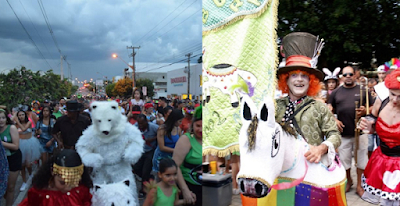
(394, 63)
(331, 75)
(301, 51)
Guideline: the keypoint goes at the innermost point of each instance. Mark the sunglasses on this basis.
(348, 74)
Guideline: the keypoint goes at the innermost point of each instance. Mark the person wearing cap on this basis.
(301, 80)
(63, 180)
(132, 116)
(149, 112)
(70, 126)
(342, 102)
(380, 180)
(46, 102)
(381, 73)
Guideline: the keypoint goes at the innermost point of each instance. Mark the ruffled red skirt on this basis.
(382, 176)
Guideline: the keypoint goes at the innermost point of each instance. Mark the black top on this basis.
(160, 110)
(70, 133)
(343, 100)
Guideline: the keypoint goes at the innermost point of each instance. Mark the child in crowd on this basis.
(166, 193)
(61, 181)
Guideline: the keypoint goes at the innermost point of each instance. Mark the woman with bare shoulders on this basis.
(29, 145)
(10, 141)
(380, 180)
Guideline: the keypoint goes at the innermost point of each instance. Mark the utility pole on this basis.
(133, 64)
(62, 74)
(188, 88)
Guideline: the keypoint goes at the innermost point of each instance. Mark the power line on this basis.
(181, 22)
(181, 53)
(171, 20)
(33, 42)
(172, 63)
(46, 19)
(160, 21)
(48, 24)
(170, 58)
(30, 19)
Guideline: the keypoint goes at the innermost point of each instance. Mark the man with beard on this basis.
(342, 102)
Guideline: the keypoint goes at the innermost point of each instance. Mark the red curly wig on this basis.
(313, 90)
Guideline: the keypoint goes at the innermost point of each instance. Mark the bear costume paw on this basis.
(93, 160)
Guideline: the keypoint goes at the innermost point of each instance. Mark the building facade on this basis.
(177, 82)
(159, 82)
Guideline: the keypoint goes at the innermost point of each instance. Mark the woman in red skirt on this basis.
(382, 175)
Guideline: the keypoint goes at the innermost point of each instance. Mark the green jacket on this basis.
(315, 121)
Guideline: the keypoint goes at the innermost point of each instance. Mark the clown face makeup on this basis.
(298, 83)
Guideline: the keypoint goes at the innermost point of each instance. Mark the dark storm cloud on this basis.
(88, 32)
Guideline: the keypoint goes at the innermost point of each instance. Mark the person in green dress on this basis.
(188, 156)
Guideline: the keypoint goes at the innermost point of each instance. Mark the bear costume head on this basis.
(107, 120)
(117, 194)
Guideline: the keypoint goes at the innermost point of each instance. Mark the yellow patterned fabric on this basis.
(239, 58)
(71, 175)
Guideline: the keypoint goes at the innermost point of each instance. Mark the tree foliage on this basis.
(23, 86)
(123, 87)
(353, 30)
(146, 83)
(110, 90)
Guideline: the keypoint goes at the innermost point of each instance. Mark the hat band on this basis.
(298, 60)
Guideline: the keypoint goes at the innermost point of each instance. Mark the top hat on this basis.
(301, 51)
(73, 106)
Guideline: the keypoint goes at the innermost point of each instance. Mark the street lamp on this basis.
(133, 69)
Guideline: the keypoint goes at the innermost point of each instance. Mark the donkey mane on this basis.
(287, 128)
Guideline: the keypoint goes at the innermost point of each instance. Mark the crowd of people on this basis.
(42, 133)
(339, 114)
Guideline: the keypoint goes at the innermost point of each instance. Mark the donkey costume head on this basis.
(259, 130)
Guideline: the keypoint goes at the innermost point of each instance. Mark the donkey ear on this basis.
(336, 71)
(247, 108)
(267, 111)
(264, 113)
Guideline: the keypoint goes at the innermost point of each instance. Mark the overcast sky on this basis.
(88, 32)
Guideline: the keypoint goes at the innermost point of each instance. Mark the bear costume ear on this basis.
(96, 187)
(126, 182)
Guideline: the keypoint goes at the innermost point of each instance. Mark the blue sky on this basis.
(88, 32)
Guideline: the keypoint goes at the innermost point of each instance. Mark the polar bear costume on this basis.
(110, 145)
(117, 194)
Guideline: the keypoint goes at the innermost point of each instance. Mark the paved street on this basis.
(352, 198)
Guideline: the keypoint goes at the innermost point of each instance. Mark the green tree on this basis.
(146, 83)
(91, 87)
(110, 89)
(123, 87)
(353, 30)
(23, 86)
